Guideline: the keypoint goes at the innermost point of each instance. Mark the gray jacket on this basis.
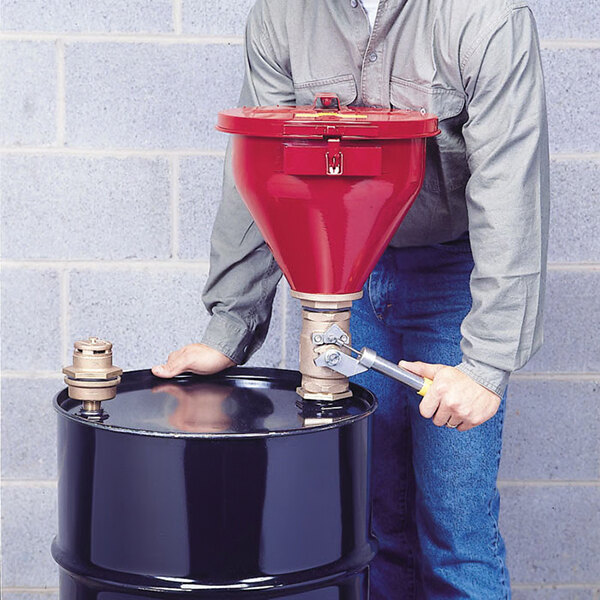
(473, 63)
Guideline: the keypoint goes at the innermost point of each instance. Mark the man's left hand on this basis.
(454, 398)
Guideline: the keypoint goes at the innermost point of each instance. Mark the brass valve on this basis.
(92, 378)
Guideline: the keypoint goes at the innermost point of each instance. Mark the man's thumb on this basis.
(421, 368)
(162, 371)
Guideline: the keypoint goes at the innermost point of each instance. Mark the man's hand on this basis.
(194, 358)
(454, 398)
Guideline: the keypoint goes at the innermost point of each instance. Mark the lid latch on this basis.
(326, 102)
(334, 159)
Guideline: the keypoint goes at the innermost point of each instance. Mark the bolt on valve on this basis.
(92, 378)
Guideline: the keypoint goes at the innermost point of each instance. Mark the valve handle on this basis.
(371, 360)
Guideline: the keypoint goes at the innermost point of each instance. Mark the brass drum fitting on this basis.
(320, 312)
(92, 378)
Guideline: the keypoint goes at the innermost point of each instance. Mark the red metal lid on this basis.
(326, 118)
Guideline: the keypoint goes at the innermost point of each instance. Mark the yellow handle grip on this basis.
(426, 385)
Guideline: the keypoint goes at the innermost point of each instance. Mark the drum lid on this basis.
(237, 402)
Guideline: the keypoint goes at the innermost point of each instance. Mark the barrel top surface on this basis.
(240, 402)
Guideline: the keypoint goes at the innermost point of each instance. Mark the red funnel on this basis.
(327, 189)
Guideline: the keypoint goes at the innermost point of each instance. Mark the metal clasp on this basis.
(334, 159)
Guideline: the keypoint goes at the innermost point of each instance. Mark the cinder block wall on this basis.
(110, 177)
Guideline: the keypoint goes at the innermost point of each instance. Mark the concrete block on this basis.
(572, 316)
(550, 593)
(88, 16)
(66, 207)
(205, 17)
(552, 431)
(271, 352)
(29, 428)
(28, 527)
(556, 20)
(552, 533)
(572, 77)
(31, 338)
(146, 314)
(149, 95)
(28, 93)
(575, 186)
(200, 186)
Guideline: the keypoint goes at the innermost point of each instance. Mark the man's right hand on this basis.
(193, 358)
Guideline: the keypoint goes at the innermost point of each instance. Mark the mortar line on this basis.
(172, 37)
(548, 483)
(560, 586)
(541, 376)
(112, 37)
(566, 43)
(110, 153)
(202, 263)
(35, 590)
(64, 314)
(174, 171)
(60, 93)
(14, 374)
(584, 266)
(104, 265)
(554, 376)
(574, 156)
(179, 152)
(29, 483)
(177, 17)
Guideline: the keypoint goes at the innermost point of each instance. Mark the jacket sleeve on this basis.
(243, 275)
(507, 199)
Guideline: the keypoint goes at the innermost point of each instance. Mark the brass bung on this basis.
(92, 378)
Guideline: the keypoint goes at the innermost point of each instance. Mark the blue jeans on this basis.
(436, 502)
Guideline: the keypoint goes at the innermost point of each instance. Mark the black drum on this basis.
(228, 486)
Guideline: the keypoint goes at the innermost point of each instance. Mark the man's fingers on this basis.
(429, 405)
(441, 417)
(421, 368)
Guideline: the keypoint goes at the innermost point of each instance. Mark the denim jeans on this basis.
(436, 502)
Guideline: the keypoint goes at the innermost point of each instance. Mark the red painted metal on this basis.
(306, 121)
(326, 198)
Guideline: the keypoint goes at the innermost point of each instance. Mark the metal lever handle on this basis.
(368, 358)
(348, 365)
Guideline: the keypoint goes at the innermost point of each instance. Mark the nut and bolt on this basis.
(332, 357)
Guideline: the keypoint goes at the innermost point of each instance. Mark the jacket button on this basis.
(373, 56)
(353, 3)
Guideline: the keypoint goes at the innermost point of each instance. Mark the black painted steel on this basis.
(226, 486)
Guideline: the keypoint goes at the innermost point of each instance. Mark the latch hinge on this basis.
(334, 159)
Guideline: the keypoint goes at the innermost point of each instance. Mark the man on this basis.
(461, 286)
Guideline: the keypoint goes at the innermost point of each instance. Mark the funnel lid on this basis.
(327, 118)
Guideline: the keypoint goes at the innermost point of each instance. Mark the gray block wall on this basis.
(110, 177)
